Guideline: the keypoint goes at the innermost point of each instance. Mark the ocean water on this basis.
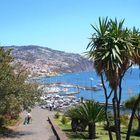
(130, 84)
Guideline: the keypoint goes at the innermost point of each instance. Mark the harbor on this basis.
(60, 95)
(66, 90)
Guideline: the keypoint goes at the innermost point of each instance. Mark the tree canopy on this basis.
(113, 48)
(16, 94)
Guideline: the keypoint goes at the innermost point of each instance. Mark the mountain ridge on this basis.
(41, 61)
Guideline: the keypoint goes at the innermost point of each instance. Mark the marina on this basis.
(82, 85)
(62, 95)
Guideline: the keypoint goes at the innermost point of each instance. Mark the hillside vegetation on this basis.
(45, 61)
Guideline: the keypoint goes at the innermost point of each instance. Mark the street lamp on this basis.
(91, 79)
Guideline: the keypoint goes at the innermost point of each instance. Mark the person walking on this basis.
(28, 118)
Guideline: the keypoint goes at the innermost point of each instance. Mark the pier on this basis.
(109, 104)
(82, 87)
(94, 88)
(70, 93)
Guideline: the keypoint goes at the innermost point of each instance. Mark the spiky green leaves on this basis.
(112, 46)
(89, 111)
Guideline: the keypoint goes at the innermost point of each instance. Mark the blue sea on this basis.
(130, 84)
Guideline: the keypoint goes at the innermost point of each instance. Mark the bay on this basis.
(130, 84)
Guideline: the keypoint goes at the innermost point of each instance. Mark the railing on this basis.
(60, 135)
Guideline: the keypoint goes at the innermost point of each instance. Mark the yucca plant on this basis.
(114, 49)
(90, 112)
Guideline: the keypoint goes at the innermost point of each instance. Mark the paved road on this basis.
(39, 129)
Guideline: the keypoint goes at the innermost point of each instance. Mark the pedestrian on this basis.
(50, 106)
(29, 117)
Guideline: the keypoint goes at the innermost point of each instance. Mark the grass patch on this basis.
(100, 132)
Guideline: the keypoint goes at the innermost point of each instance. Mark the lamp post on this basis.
(91, 79)
(77, 86)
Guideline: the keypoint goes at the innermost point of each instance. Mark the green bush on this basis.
(112, 127)
(137, 133)
(132, 139)
(124, 120)
(57, 115)
(64, 120)
(123, 137)
(78, 125)
(2, 121)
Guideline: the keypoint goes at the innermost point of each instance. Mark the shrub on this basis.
(124, 119)
(132, 139)
(57, 115)
(64, 120)
(112, 127)
(2, 121)
(78, 125)
(123, 137)
(137, 133)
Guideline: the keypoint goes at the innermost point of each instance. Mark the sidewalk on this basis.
(39, 129)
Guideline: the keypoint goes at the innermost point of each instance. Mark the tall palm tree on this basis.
(91, 112)
(113, 47)
(135, 59)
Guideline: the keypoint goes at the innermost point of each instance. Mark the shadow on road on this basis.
(9, 133)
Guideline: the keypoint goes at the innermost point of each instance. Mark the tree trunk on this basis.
(139, 124)
(116, 119)
(132, 117)
(106, 107)
(108, 125)
(91, 131)
(138, 118)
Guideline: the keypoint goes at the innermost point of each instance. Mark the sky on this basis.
(60, 24)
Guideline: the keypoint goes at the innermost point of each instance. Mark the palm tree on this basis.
(135, 59)
(113, 47)
(90, 112)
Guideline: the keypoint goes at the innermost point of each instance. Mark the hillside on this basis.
(45, 61)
